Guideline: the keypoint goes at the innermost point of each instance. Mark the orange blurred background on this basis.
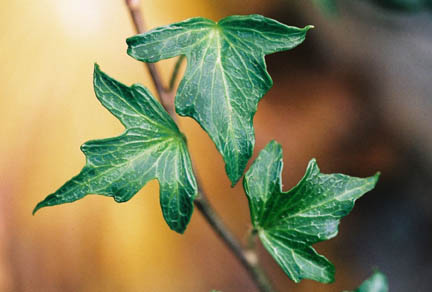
(335, 98)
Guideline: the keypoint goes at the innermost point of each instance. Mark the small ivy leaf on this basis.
(226, 74)
(289, 223)
(151, 147)
(376, 283)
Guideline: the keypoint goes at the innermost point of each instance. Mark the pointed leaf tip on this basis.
(35, 210)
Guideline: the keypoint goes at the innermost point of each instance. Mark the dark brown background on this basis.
(357, 95)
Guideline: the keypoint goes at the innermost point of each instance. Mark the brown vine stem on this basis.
(247, 258)
(166, 96)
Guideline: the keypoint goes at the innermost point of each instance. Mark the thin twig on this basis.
(165, 97)
(247, 258)
(175, 73)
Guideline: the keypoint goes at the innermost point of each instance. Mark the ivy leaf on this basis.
(376, 283)
(226, 74)
(288, 223)
(151, 147)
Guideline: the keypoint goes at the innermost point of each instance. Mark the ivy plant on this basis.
(226, 76)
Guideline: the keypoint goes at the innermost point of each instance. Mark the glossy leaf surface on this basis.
(226, 74)
(151, 148)
(288, 223)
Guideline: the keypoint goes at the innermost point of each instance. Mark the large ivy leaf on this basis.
(151, 147)
(288, 223)
(226, 74)
(376, 283)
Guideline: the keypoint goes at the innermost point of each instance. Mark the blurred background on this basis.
(357, 95)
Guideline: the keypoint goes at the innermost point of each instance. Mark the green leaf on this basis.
(376, 283)
(226, 74)
(151, 147)
(288, 223)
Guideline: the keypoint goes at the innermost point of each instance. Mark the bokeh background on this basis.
(357, 95)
